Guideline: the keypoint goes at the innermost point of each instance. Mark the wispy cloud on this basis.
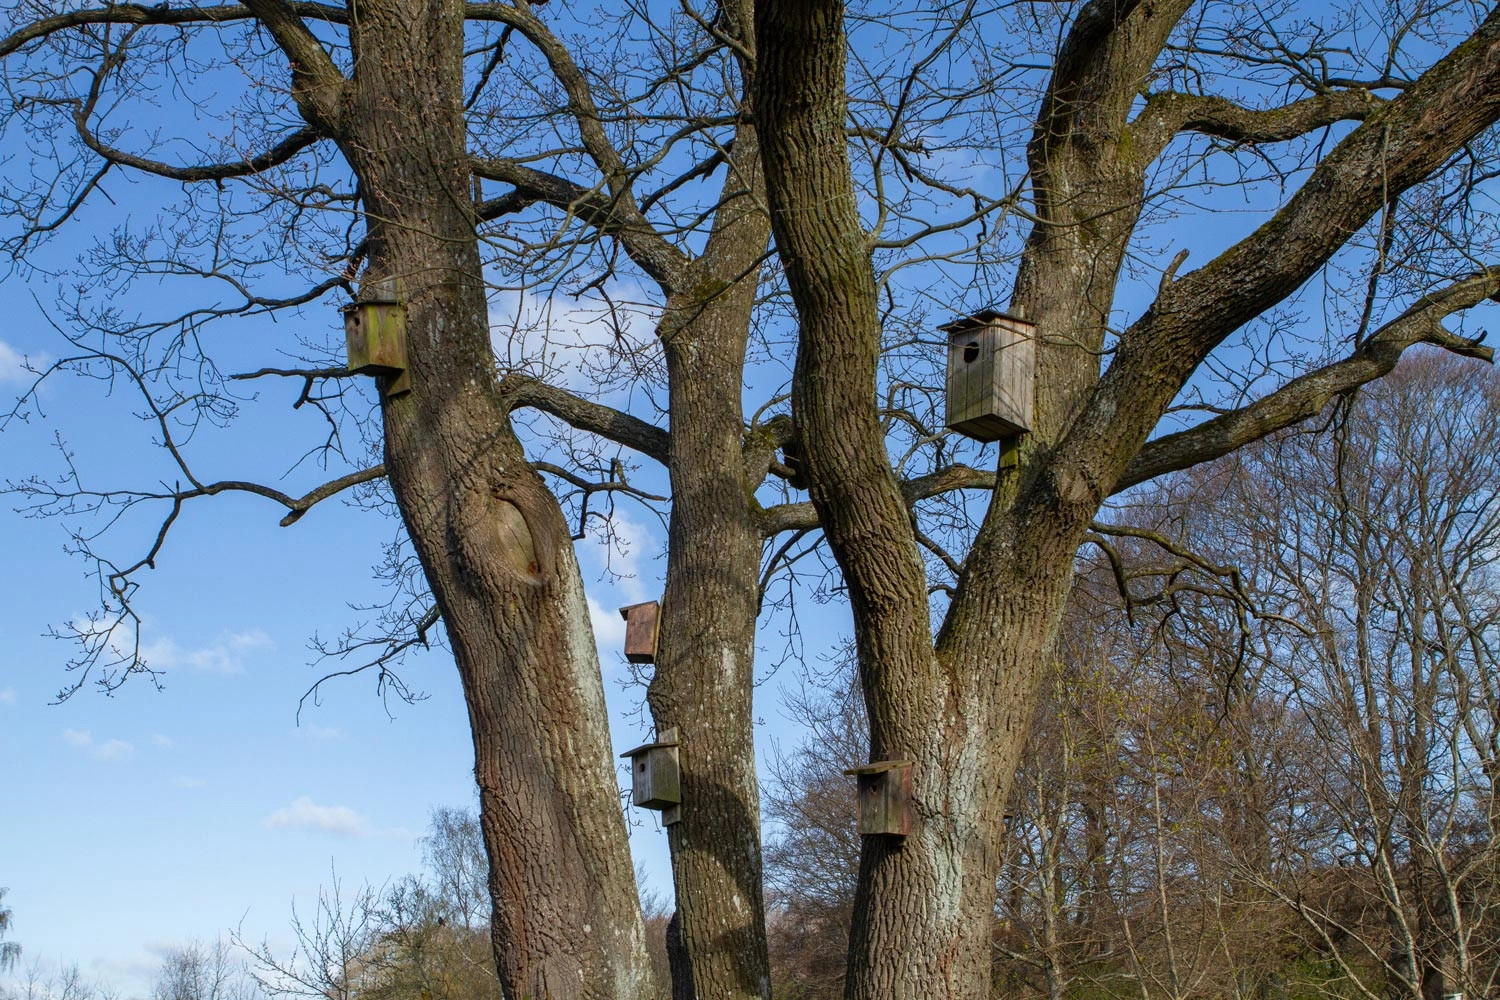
(164, 742)
(13, 365)
(225, 655)
(322, 734)
(82, 739)
(305, 814)
(579, 341)
(7, 696)
(183, 781)
(609, 628)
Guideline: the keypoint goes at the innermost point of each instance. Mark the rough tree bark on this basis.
(491, 538)
(705, 674)
(703, 677)
(959, 706)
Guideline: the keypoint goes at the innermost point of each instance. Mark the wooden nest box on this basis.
(640, 631)
(991, 368)
(656, 776)
(375, 332)
(884, 796)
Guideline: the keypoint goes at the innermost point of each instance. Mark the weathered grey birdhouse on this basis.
(656, 776)
(884, 797)
(991, 366)
(640, 631)
(375, 331)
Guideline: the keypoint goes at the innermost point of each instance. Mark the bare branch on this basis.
(1306, 396)
(317, 84)
(609, 214)
(1167, 114)
(158, 14)
(281, 153)
(585, 415)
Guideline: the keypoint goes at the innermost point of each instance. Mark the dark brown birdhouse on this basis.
(656, 776)
(375, 331)
(884, 793)
(640, 631)
(991, 367)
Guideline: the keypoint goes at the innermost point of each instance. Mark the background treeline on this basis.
(1265, 761)
(1264, 766)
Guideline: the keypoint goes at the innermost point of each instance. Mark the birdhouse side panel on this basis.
(1013, 390)
(641, 631)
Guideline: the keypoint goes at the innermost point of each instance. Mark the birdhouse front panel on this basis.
(656, 778)
(883, 797)
(656, 774)
(375, 332)
(641, 631)
(991, 369)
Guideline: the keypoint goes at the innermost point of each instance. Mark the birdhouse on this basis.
(656, 776)
(884, 797)
(375, 331)
(640, 631)
(991, 365)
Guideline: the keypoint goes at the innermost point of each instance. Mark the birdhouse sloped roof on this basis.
(983, 317)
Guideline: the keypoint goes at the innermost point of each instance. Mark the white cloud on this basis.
(609, 628)
(183, 781)
(402, 833)
(633, 544)
(568, 340)
(82, 739)
(7, 696)
(13, 365)
(225, 655)
(322, 734)
(164, 742)
(305, 814)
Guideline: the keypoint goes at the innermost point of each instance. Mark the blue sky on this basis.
(134, 822)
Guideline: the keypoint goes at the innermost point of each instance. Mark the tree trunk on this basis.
(705, 673)
(492, 539)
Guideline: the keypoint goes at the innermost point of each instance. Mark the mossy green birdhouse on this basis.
(375, 331)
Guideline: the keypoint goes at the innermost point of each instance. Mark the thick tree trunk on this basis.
(960, 710)
(924, 903)
(491, 538)
(705, 673)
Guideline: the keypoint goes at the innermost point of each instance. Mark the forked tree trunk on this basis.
(491, 538)
(959, 707)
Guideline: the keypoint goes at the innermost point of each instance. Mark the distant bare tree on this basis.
(453, 851)
(198, 971)
(63, 983)
(812, 857)
(10, 951)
